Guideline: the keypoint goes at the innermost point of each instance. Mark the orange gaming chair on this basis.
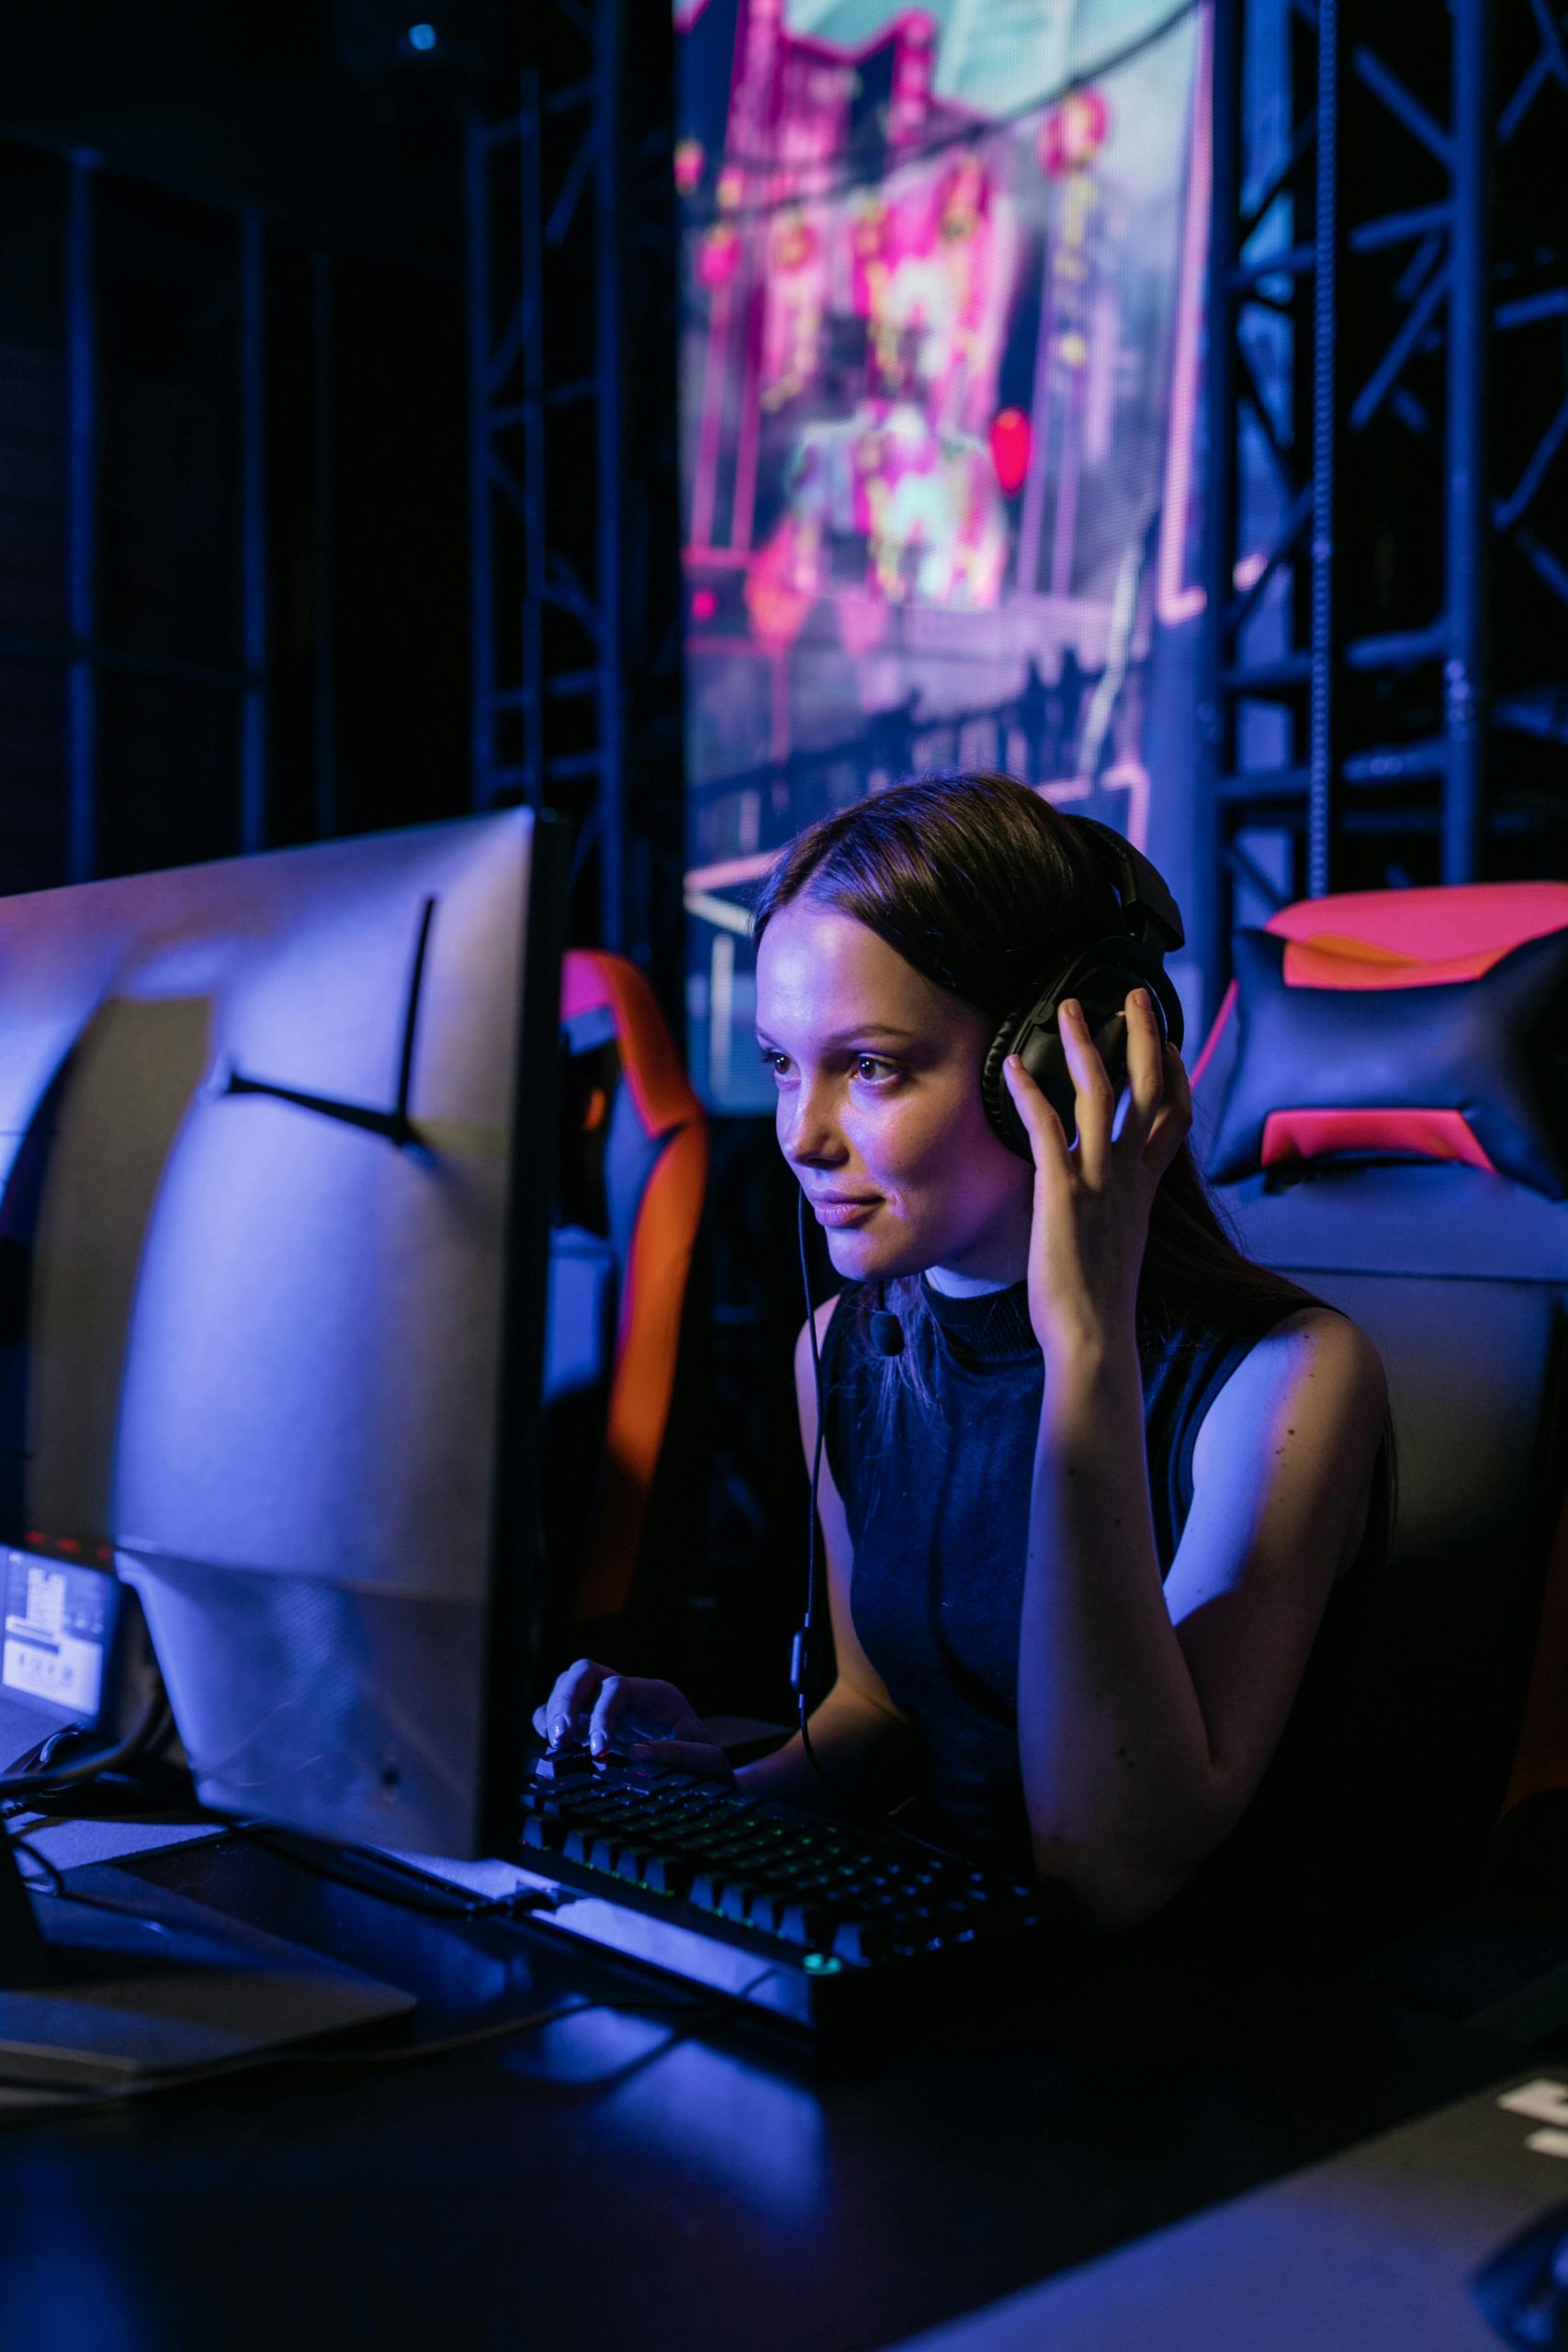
(634, 1169)
(1383, 1109)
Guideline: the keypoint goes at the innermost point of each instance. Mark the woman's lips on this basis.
(837, 1213)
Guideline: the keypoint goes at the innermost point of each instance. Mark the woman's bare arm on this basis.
(1147, 1714)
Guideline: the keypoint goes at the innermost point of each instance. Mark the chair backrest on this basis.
(634, 1170)
(1393, 1211)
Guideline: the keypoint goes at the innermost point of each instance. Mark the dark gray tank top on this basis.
(937, 1503)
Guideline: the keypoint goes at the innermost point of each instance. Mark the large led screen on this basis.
(942, 290)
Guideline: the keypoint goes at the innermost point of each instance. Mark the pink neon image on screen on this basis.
(934, 342)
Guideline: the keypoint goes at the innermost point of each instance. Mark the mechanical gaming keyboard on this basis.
(816, 1923)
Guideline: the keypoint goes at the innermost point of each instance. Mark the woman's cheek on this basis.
(881, 1145)
(916, 1147)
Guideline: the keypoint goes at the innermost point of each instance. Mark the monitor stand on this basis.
(97, 1999)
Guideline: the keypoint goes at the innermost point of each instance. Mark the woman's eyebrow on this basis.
(862, 1029)
(871, 1029)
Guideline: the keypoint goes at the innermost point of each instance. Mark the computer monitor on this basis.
(276, 1142)
(59, 1647)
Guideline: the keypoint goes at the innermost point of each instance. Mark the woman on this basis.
(1082, 1533)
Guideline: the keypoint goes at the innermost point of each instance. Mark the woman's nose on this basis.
(809, 1135)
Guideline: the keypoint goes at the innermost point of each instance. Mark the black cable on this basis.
(690, 2012)
(684, 2012)
(800, 1656)
(516, 1905)
(799, 1664)
(190, 2077)
(149, 1726)
(51, 1870)
(55, 1885)
(277, 1841)
(274, 1840)
(502, 2031)
(38, 1756)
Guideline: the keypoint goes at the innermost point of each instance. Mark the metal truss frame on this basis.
(80, 649)
(1381, 247)
(546, 446)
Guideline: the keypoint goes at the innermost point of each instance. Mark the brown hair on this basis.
(986, 889)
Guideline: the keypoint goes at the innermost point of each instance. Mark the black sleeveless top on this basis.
(937, 1503)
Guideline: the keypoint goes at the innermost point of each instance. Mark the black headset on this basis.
(1100, 976)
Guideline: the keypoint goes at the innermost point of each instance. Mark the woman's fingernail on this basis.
(598, 1743)
(558, 1731)
(641, 1752)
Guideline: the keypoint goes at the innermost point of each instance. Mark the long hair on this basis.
(986, 889)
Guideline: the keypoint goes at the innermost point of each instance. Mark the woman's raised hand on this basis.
(1092, 1198)
(652, 1719)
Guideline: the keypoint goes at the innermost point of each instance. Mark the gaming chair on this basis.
(634, 1169)
(1382, 1110)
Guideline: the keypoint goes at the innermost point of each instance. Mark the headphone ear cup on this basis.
(1044, 1057)
(1032, 1035)
(1101, 984)
(994, 1086)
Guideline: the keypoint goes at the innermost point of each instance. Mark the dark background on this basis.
(191, 112)
(347, 146)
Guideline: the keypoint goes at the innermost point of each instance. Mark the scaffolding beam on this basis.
(1408, 210)
(550, 218)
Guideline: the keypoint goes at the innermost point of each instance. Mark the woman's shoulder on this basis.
(1316, 1342)
(1312, 1363)
(1309, 1333)
(1235, 1327)
(835, 1320)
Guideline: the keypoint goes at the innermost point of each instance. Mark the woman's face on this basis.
(879, 1109)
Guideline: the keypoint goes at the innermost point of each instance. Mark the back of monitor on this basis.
(278, 1135)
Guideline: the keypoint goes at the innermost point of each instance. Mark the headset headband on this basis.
(1100, 975)
(1145, 900)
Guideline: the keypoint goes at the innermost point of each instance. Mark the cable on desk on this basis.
(149, 1726)
(276, 1842)
(378, 1867)
(532, 2022)
(193, 2077)
(689, 2011)
(53, 1883)
(502, 2031)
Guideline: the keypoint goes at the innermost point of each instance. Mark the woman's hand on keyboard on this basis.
(650, 1721)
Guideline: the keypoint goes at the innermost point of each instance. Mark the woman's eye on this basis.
(778, 1063)
(872, 1066)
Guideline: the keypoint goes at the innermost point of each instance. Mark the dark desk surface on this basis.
(1378, 2250)
(615, 2181)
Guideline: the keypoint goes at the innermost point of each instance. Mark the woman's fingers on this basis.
(695, 1756)
(1158, 1109)
(1046, 1139)
(591, 1703)
(1146, 1069)
(1169, 1126)
(565, 1712)
(1094, 1100)
(607, 1710)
